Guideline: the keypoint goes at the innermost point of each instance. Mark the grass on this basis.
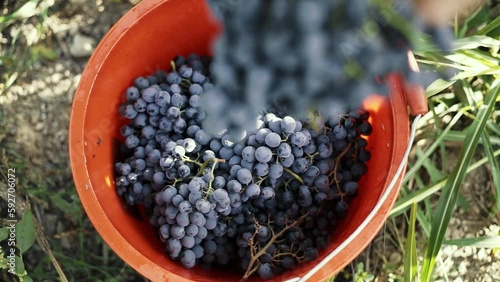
(468, 101)
(19, 52)
(464, 113)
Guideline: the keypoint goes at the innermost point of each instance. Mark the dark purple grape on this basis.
(284, 150)
(265, 271)
(364, 155)
(132, 93)
(275, 171)
(300, 165)
(298, 139)
(252, 190)
(244, 176)
(288, 124)
(149, 94)
(177, 232)
(234, 186)
(272, 140)
(141, 82)
(267, 193)
(261, 169)
(188, 258)
(203, 206)
(263, 154)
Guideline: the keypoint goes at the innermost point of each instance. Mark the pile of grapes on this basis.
(322, 54)
(264, 200)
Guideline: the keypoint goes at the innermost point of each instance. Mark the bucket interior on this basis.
(145, 41)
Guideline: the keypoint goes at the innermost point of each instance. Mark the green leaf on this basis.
(4, 233)
(25, 232)
(438, 86)
(20, 270)
(447, 201)
(483, 70)
(476, 19)
(25, 278)
(474, 61)
(495, 169)
(478, 242)
(474, 42)
(491, 26)
(410, 260)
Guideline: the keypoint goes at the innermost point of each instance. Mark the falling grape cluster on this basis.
(265, 200)
(322, 54)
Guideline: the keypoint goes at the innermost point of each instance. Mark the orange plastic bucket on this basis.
(145, 40)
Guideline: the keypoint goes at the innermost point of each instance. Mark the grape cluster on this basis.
(302, 54)
(163, 110)
(266, 199)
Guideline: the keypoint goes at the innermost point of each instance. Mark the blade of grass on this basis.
(428, 216)
(494, 24)
(477, 18)
(447, 201)
(406, 201)
(487, 57)
(477, 72)
(495, 170)
(437, 86)
(466, 88)
(441, 63)
(438, 123)
(458, 136)
(429, 166)
(423, 221)
(494, 127)
(470, 61)
(473, 42)
(432, 148)
(478, 242)
(410, 259)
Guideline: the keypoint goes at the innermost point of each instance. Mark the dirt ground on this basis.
(34, 121)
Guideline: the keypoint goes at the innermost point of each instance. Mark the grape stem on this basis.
(188, 160)
(172, 64)
(255, 256)
(313, 155)
(298, 258)
(296, 176)
(214, 162)
(212, 173)
(258, 182)
(334, 172)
